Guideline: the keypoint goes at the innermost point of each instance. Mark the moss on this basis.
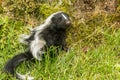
(87, 26)
(46, 9)
(93, 38)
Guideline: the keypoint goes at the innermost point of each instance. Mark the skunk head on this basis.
(61, 20)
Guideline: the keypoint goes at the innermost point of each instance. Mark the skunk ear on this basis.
(54, 20)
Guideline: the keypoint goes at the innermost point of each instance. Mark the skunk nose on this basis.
(68, 22)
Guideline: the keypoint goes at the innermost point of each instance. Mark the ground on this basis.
(93, 39)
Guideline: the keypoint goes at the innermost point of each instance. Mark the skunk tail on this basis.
(12, 64)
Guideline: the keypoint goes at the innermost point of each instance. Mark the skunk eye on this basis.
(59, 19)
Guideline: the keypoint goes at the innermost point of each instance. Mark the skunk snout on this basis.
(68, 23)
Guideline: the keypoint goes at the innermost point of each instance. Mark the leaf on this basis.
(1, 22)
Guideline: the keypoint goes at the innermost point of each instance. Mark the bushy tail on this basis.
(11, 65)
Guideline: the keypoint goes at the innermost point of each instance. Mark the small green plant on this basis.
(93, 41)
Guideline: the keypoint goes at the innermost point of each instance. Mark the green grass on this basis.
(97, 63)
(93, 39)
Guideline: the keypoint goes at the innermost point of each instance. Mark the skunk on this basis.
(51, 33)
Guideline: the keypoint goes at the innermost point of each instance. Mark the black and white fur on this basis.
(51, 33)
